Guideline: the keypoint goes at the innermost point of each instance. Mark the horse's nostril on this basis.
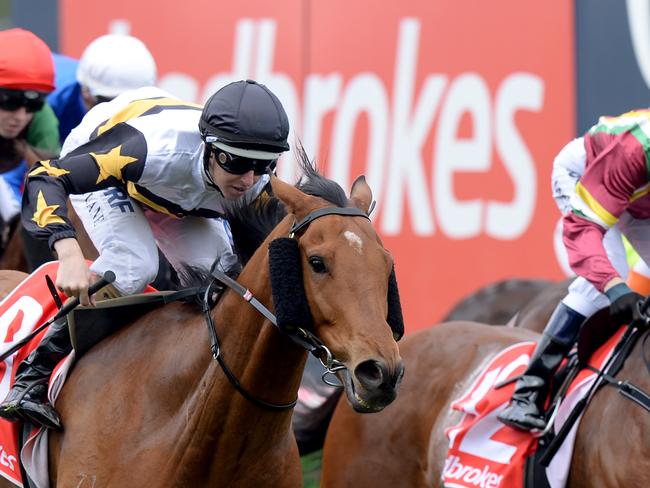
(396, 379)
(371, 373)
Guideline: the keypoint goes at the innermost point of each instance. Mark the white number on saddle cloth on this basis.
(16, 324)
(29, 305)
(482, 451)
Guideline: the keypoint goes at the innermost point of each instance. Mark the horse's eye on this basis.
(317, 264)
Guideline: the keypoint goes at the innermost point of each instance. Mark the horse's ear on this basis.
(297, 202)
(361, 194)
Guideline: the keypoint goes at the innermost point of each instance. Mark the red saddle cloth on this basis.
(27, 307)
(23, 310)
(483, 452)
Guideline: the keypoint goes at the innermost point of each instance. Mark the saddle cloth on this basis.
(483, 452)
(28, 306)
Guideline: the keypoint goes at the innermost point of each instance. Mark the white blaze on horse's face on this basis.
(354, 240)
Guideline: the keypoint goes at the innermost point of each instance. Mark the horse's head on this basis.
(338, 259)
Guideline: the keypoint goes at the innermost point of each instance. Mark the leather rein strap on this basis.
(301, 337)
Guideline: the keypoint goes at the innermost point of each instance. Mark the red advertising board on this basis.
(454, 111)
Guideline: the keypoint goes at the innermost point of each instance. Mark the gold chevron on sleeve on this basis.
(44, 214)
(50, 170)
(111, 164)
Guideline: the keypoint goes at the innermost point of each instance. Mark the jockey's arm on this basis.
(101, 163)
(97, 165)
(602, 195)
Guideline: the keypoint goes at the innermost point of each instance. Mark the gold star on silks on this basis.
(50, 170)
(44, 214)
(111, 163)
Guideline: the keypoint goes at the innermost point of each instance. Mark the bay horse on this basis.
(10, 279)
(406, 445)
(13, 257)
(497, 303)
(149, 405)
(535, 314)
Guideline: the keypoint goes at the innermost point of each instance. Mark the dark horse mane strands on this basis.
(314, 184)
(251, 224)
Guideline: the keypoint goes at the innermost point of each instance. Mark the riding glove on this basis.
(624, 306)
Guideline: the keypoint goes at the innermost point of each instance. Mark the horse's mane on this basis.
(252, 223)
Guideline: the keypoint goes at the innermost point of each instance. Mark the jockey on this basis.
(600, 182)
(26, 77)
(109, 66)
(158, 170)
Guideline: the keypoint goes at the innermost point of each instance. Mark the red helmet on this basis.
(25, 62)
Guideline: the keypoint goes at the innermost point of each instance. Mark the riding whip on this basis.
(70, 305)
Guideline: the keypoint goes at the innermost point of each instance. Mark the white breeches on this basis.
(126, 236)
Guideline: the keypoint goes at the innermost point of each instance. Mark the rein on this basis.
(626, 388)
(299, 336)
(606, 376)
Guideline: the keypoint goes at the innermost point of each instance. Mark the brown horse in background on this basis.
(149, 406)
(513, 302)
(405, 445)
(497, 303)
(537, 311)
(10, 279)
(14, 258)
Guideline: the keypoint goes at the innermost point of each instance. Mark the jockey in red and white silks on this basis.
(601, 184)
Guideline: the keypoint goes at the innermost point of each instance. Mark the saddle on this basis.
(594, 334)
(89, 325)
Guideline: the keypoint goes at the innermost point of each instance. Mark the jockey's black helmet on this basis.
(246, 119)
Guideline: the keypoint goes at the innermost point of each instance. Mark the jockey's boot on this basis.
(526, 411)
(27, 400)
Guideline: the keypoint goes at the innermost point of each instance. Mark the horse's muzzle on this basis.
(374, 385)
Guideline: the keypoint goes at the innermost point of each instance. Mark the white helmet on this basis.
(115, 63)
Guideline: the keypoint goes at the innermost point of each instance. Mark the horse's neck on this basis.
(261, 355)
(266, 364)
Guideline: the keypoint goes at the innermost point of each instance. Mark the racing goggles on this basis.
(239, 165)
(12, 100)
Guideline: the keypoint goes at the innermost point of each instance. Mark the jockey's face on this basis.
(12, 122)
(231, 185)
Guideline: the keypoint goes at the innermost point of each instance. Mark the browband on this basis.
(352, 211)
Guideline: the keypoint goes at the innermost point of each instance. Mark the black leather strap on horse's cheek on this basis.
(287, 287)
(394, 319)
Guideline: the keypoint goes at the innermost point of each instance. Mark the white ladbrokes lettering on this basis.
(482, 478)
(399, 123)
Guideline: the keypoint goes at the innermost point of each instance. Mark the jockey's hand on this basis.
(73, 277)
(624, 307)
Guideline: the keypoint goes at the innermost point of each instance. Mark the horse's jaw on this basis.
(367, 401)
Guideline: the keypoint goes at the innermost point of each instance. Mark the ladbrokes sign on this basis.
(453, 111)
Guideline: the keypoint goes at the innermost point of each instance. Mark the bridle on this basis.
(300, 335)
